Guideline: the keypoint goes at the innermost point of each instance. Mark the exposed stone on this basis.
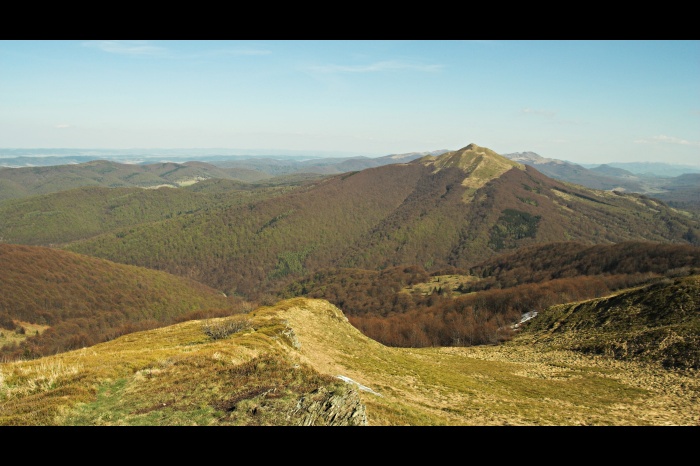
(324, 408)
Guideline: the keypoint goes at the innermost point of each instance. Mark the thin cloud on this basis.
(144, 48)
(668, 140)
(125, 47)
(389, 65)
(532, 111)
(62, 125)
(247, 52)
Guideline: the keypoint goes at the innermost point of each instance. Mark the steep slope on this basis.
(301, 363)
(456, 209)
(659, 322)
(472, 207)
(52, 300)
(241, 249)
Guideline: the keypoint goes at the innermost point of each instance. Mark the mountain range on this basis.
(674, 184)
(677, 185)
(269, 293)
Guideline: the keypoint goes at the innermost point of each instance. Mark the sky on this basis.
(597, 101)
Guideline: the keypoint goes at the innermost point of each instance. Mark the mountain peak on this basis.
(472, 146)
(480, 164)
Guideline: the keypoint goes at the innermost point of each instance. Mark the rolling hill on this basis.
(31, 181)
(60, 173)
(80, 213)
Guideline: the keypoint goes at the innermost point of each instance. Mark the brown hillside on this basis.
(52, 301)
(550, 261)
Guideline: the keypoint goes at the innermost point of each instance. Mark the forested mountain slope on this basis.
(53, 301)
(75, 214)
(456, 209)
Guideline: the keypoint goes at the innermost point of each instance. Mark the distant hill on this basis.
(323, 166)
(656, 169)
(601, 178)
(671, 183)
(682, 192)
(613, 171)
(53, 301)
(58, 173)
(29, 181)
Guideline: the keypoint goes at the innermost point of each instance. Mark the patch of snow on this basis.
(525, 317)
(361, 387)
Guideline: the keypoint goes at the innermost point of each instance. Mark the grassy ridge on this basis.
(295, 350)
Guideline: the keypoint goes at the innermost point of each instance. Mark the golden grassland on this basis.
(180, 375)
(444, 282)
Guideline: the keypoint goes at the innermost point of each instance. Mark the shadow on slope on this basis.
(657, 323)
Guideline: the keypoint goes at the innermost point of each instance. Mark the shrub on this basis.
(223, 328)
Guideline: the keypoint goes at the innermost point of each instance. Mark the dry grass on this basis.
(179, 375)
(513, 384)
(12, 336)
(446, 282)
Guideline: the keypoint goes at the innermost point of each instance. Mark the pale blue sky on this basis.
(581, 101)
